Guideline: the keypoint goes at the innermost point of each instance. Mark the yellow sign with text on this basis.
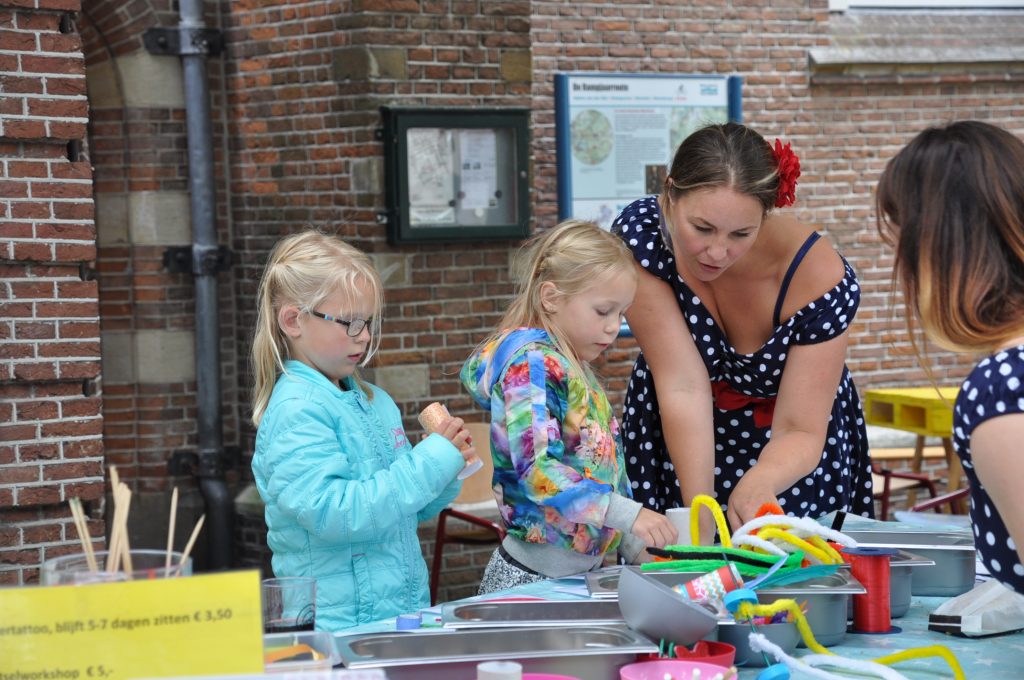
(199, 625)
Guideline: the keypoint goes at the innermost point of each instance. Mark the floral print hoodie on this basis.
(555, 443)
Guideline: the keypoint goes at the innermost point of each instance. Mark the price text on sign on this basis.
(200, 625)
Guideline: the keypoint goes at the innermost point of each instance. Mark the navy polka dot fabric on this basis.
(842, 480)
(994, 388)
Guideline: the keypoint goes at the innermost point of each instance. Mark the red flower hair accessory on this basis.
(789, 170)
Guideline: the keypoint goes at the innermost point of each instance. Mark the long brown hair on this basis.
(725, 155)
(951, 203)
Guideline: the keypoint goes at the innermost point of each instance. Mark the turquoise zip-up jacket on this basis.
(344, 493)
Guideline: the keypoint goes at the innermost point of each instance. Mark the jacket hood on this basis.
(485, 367)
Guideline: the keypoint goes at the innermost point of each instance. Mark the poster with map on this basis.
(617, 134)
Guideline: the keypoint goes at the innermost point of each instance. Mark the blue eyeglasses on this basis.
(352, 326)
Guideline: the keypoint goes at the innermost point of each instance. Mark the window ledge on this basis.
(915, 64)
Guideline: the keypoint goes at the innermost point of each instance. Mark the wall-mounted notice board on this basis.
(616, 133)
(456, 174)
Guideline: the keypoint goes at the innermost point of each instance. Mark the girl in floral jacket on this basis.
(558, 468)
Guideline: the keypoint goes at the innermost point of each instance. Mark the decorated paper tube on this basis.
(431, 418)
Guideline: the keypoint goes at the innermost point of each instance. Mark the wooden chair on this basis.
(476, 496)
(953, 498)
(885, 482)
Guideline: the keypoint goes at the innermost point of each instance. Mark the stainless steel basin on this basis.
(539, 613)
(952, 554)
(585, 651)
(651, 607)
(900, 577)
(827, 597)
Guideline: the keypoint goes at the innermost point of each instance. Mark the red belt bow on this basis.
(729, 399)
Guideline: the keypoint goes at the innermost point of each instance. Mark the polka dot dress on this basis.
(842, 480)
(994, 388)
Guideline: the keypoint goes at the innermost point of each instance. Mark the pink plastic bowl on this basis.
(678, 669)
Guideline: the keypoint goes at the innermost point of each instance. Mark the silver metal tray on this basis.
(586, 651)
(900, 578)
(605, 586)
(531, 613)
(952, 554)
(827, 598)
(914, 540)
(651, 607)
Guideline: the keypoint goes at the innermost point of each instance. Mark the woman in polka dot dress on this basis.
(952, 204)
(741, 388)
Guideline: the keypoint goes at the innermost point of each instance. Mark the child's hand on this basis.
(654, 528)
(454, 430)
(435, 418)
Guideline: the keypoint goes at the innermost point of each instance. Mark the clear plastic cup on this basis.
(146, 564)
(289, 604)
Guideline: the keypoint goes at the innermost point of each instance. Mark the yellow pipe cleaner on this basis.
(703, 500)
(940, 651)
(747, 611)
(795, 541)
(833, 554)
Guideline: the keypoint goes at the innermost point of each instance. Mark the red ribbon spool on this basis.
(870, 566)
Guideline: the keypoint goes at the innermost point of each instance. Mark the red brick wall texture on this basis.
(50, 412)
(296, 100)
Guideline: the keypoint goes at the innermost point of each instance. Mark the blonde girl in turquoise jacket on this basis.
(344, 490)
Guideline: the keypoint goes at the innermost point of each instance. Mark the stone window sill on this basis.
(902, 65)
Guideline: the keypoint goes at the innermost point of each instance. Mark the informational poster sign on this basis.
(617, 133)
(173, 627)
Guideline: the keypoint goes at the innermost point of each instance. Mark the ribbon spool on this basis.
(870, 566)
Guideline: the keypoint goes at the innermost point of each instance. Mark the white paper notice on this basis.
(479, 177)
(431, 176)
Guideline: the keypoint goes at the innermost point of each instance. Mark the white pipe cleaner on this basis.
(801, 526)
(755, 542)
(809, 663)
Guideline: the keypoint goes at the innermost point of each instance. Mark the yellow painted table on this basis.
(925, 411)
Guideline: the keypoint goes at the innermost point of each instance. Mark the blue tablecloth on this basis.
(993, 658)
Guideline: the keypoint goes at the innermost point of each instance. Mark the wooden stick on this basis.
(188, 546)
(82, 525)
(170, 530)
(119, 530)
(126, 549)
(113, 544)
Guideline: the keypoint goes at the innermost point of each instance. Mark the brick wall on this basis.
(139, 149)
(296, 104)
(843, 129)
(305, 93)
(454, 53)
(306, 90)
(50, 420)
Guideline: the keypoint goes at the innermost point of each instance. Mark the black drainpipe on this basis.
(193, 43)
